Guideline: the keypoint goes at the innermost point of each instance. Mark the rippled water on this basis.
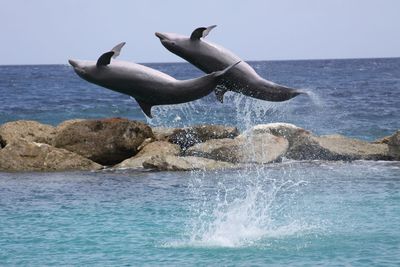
(292, 213)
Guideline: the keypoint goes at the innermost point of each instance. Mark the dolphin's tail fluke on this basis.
(274, 92)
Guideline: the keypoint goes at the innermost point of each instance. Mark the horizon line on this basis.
(251, 60)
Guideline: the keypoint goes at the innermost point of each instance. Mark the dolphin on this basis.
(210, 57)
(148, 86)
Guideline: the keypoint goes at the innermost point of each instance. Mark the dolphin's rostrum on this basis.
(148, 86)
(210, 57)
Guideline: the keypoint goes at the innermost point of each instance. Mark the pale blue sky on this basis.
(51, 31)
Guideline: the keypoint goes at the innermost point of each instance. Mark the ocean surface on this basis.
(291, 213)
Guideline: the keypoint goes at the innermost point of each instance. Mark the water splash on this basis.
(243, 208)
(316, 100)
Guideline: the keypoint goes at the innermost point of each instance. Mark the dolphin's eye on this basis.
(173, 43)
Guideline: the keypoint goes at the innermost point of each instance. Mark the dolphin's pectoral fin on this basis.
(219, 93)
(117, 49)
(201, 32)
(146, 108)
(105, 59)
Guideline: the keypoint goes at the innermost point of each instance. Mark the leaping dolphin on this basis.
(148, 86)
(210, 57)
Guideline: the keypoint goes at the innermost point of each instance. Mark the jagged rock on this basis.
(260, 148)
(107, 141)
(336, 147)
(394, 145)
(160, 148)
(190, 136)
(31, 156)
(174, 163)
(162, 133)
(31, 131)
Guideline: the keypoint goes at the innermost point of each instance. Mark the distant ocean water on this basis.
(292, 213)
(359, 98)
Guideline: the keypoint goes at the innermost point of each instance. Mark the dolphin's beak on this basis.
(73, 63)
(161, 36)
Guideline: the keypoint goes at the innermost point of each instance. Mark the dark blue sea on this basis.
(292, 213)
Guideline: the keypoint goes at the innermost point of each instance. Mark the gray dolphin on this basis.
(148, 86)
(210, 57)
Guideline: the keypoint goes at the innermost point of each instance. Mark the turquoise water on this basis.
(293, 213)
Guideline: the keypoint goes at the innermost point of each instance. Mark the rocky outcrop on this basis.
(78, 144)
(157, 148)
(174, 163)
(107, 142)
(260, 148)
(303, 145)
(31, 156)
(190, 136)
(31, 131)
(394, 145)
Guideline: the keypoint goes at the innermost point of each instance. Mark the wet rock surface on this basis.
(190, 136)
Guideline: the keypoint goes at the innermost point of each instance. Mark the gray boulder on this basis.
(303, 145)
(261, 148)
(107, 141)
(31, 131)
(190, 136)
(336, 147)
(175, 163)
(160, 148)
(290, 132)
(31, 156)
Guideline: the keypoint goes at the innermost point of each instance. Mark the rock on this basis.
(303, 145)
(160, 148)
(162, 133)
(190, 136)
(174, 163)
(107, 141)
(394, 145)
(260, 148)
(286, 130)
(336, 147)
(31, 156)
(31, 131)
(67, 123)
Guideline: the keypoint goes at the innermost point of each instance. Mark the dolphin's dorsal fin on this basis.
(146, 108)
(201, 32)
(117, 49)
(105, 59)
